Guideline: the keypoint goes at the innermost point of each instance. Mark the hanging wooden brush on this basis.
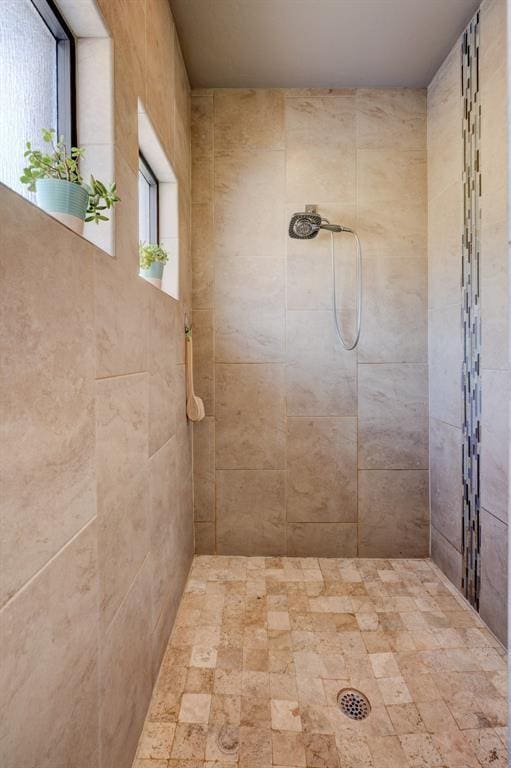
(194, 405)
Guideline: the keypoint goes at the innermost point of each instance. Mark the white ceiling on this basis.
(322, 43)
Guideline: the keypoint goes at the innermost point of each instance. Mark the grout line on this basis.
(48, 562)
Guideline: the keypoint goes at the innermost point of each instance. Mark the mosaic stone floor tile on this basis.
(262, 647)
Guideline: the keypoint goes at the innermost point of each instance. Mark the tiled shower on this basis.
(178, 595)
(307, 449)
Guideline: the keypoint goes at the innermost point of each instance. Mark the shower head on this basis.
(306, 225)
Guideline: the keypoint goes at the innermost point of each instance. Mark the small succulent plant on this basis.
(151, 252)
(59, 164)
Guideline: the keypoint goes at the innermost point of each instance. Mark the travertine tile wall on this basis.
(307, 449)
(445, 217)
(97, 531)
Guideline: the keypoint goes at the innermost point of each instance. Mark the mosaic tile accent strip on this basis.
(471, 317)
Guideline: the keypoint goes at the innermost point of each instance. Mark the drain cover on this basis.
(353, 704)
(228, 740)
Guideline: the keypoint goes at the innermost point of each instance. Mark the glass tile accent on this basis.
(471, 317)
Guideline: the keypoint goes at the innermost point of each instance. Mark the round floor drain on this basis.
(228, 739)
(353, 704)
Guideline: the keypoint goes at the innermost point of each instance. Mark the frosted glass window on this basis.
(30, 92)
(147, 204)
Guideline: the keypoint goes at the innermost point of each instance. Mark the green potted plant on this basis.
(60, 189)
(152, 259)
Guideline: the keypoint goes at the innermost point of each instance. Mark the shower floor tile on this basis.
(262, 646)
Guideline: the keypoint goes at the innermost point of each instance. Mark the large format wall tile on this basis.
(445, 361)
(162, 374)
(445, 468)
(445, 223)
(250, 417)
(251, 512)
(48, 674)
(204, 469)
(320, 375)
(122, 486)
(395, 319)
(448, 559)
(322, 470)
(494, 279)
(204, 357)
(322, 539)
(162, 523)
(393, 416)
(495, 443)
(309, 262)
(250, 311)
(397, 231)
(391, 118)
(80, 314)
(494, 562)
(393, 513)
(249, 220)
(445, 150)
(320, 149)
(202, 248)
(48, 488)
(125, 674)
(389, 175)
(249, 118)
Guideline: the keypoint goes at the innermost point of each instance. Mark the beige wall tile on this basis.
(393, 513)
(494, 559)
(445, 361)
(495, 444)
(494, 273)
(493, 37)
(125, 311)
(204, 357)
(448, 559)
(205, 538)
(162, 369)
(202, 256)
(445, 151)
(445, 225)
(121, 313)
(48, 675)
(204, 469)
(320, 375)
(322, 540)
(162, 520)
(395, 315)
(393, 416)
(445, 442)
(250, 311)
(322, 470)
(389, 175)
(249, 183)
(320, 143)
(159, 91)
(250, 508)
(250, 417)
(125, 674)
(202, 126)
(309, 262)
(122, 486)
(398, 231)
(391, 118)
(48, 395)
(249, 118)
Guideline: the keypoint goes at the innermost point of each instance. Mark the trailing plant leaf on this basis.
(151, 252)
(59, 164)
